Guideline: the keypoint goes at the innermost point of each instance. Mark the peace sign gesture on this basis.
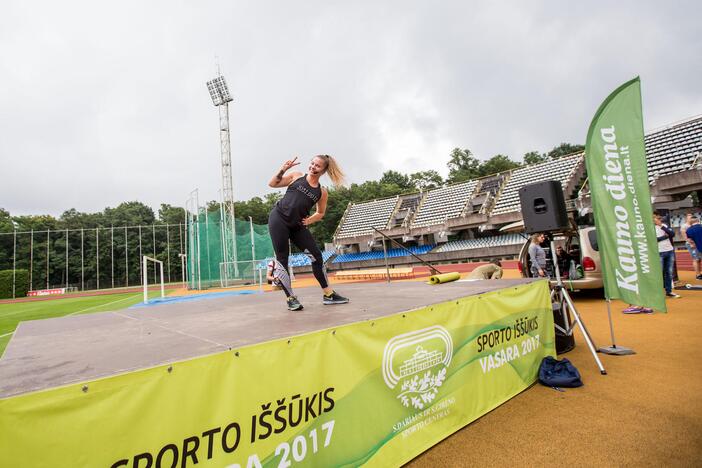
(289, 163)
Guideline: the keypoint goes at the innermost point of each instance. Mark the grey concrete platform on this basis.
(53, 352)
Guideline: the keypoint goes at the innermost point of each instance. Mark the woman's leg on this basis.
(282, 279)
(280, 235)
(304, 241)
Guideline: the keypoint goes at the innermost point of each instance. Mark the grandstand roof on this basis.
(674, 148)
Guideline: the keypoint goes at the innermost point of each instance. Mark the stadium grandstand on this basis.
(464, 218)
(360, 218)
(569, 171)
(674, 156)
(443, 203)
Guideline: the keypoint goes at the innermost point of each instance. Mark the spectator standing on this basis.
(693, 239)
(664, 235)
(537, 255)
(692, 246)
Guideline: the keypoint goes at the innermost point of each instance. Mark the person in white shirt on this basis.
(664, 235)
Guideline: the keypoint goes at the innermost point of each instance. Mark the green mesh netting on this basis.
(215, 260)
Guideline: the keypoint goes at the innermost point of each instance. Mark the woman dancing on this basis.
(290, 218)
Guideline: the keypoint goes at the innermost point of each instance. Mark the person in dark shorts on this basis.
(290, 218)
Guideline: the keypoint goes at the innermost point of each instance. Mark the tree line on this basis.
(462, 166)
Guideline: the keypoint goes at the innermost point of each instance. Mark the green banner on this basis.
(616, 166)
(373, 393)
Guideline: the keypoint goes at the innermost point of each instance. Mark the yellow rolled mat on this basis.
(444, 278)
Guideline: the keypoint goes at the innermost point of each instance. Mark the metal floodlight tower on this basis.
(221, 99)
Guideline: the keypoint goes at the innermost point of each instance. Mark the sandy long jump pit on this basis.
(242, 381)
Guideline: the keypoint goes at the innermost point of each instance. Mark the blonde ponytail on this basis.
(333, 170)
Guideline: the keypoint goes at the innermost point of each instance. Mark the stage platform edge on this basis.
(399, 368)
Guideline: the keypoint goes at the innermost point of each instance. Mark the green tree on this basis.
(132, 213)
(498, 163)
(426, 180)
(396, 178)
(534, 157)
(6, 240)
(462, 166)
(256, 208)
(564, 149)
(169, 214)
(5, 221)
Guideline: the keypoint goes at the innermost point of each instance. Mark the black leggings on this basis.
(281, 232)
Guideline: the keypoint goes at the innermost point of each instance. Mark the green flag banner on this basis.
(616, 165)
(373, 393)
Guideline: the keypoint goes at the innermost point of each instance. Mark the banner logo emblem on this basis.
(418, 362)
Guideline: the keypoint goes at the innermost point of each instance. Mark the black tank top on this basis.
(299, 198)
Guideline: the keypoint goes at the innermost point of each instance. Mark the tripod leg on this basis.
(586, 334)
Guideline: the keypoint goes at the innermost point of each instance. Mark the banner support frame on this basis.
(614, 350)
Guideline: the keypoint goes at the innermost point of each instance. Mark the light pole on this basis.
(221, 99)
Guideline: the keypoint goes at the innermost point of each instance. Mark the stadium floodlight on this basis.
(219, 92)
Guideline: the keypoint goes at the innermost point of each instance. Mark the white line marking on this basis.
(101, 305)
(154, 322)
(78, 312)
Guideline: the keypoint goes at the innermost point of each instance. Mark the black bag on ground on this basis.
(555, 373)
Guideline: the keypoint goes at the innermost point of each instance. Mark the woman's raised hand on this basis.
(289, 163)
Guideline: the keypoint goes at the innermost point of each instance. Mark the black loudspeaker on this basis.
(543, 207)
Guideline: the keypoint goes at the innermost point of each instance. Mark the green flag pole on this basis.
(616, 164)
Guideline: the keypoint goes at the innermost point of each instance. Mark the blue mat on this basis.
(194, 297)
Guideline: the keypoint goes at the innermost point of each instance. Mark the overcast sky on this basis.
(105, 102)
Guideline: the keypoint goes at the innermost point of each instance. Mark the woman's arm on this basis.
(319, 213)
(280, 179)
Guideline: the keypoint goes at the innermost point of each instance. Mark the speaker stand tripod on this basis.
(561, 298)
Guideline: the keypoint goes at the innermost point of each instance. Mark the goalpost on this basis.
(241, 273)
(145, 276)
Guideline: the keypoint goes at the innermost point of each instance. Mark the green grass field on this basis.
(12, 314)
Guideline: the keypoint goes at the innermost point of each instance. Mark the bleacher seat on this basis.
(301, 259)
(378, 254)
(360, 218)
(443, 203)
(557, 169)
(481, 243)
(674, 148)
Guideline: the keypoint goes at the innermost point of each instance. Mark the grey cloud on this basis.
(103, 104)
